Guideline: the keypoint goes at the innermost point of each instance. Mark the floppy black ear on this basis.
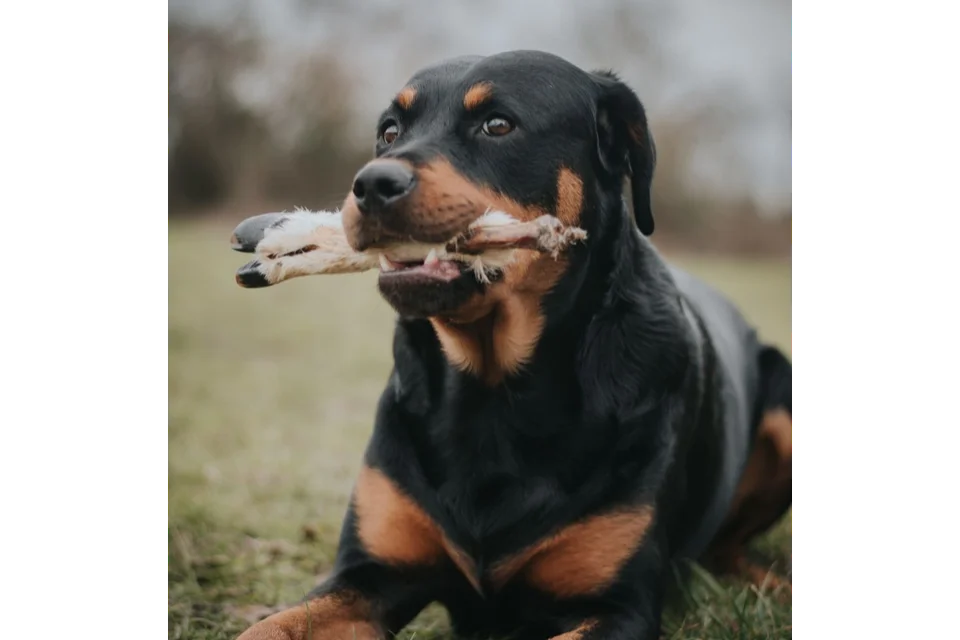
(625, 144)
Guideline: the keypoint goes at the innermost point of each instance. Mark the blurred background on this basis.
(272, 104)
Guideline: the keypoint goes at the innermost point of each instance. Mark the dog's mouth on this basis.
(429, 287)
(420, 280)
(440, 266)
(431, 268)
(416, 278)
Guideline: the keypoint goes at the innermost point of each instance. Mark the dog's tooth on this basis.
(385, 264)
(431, 258)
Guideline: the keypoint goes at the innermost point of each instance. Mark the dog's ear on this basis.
(625, 144)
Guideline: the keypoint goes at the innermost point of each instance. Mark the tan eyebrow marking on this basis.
(477, 95)
(406, 97)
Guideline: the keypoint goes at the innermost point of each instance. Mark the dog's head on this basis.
(522, 132)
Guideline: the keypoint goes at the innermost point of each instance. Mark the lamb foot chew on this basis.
(304, 243)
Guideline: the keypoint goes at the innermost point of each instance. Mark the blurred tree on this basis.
(290, 147)
(312, 119)
(213, 133)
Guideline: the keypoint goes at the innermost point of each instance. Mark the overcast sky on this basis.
(729, 57)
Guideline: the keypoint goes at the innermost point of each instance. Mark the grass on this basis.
(272, 395)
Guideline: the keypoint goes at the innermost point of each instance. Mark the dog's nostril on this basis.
(381, 183)
(390, 187)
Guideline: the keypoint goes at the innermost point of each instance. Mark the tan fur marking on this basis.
(477, 95)
(391, 525)
(498, 343)
(495, 334)
(576, 634)
(464, 563)
(397, 531)
(332, 617)
(770, 464)
(581, 559)
(777, 427)
(569, 197)
(406, 97)
(763, 495)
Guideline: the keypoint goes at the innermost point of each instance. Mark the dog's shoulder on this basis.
(640, 342)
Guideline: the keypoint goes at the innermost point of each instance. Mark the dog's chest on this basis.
(493, 514)
(486, 521)
(499, 501)
(394, 527)
(494, 547)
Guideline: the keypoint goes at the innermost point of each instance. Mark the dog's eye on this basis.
(497, 126)
(389, 132)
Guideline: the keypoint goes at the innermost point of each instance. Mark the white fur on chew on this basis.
(306, 242)
(294, 230)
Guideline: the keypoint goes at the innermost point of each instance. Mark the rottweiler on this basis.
(548, 442)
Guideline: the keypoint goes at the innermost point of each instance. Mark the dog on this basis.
(550, 440)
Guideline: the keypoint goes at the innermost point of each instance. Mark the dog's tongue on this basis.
(431, 267)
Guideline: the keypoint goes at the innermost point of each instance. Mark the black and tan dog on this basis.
(550, 440)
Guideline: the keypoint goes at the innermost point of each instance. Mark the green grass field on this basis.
(272, 394)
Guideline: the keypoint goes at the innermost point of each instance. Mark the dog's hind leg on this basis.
(765, 491)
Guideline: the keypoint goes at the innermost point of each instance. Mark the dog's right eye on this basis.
(497, 126)
(389, 132)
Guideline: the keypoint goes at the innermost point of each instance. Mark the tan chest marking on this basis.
(495, 334)
(396, 531)
(392, 527)
(581, 559)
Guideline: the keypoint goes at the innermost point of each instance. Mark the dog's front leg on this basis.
(628, 607)
(369, 602)
(391, 563)
(625, 626)
(632, 623)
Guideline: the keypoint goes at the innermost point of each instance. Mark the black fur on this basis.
(628, 399)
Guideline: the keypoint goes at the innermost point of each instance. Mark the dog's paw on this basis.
(267, 630)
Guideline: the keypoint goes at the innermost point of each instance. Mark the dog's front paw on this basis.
(267, 630)
(300, 623)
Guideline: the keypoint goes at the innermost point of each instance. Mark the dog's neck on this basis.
(504, 332)
(495, 344)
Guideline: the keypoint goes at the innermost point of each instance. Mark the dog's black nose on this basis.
(382, 183)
